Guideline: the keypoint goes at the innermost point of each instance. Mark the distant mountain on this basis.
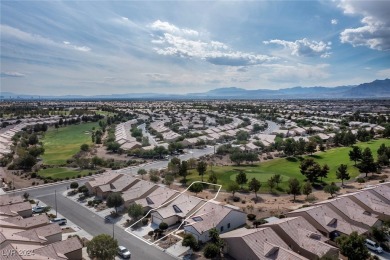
(375, 89)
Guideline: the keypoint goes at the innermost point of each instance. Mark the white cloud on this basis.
(384, 73)
(9, 31)
(334, 21)
(12, 74)
(304, 47)
(174, 42)
(375, 32)
(166, 27)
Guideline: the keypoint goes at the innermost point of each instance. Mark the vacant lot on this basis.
(289, 167)
(62, 173)
(62, 143)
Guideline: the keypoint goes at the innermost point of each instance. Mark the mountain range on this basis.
(375, 89)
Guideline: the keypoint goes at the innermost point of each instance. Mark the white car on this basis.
(373, 246)
(38, 209)
(123, 252)
(59, 221)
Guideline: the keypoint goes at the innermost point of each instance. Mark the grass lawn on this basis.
(62, 173)
(62, 143)
(289, 167)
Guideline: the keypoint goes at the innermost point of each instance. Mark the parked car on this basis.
(59, 221)
(123, 252)
(38, 209)
(373, 246)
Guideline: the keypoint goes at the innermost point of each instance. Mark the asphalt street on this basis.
(94, 224)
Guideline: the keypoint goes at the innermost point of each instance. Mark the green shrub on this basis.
(236, 199)
(251, 217)
(360, 180)
(145, 221)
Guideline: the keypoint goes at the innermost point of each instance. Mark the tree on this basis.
(153, 176)
(201, 168)
(383, 160)
(196, 187)
(342, 173)
(26, 195)
(289, 147)
(168, 179)
(311, 169)
(84, 147)
(237, 157)
(115, 200)
(294, 187)
(300, 146)
(331, 189)
(278, 179)
(190, 240)
(307, 189)
(214, 237)
(355, 154)
(26, 161)
(113, 146)
(324, 171)
(160, 150)
(367, 163)
(163, 226)
(254, 185)
(353, 246)
(233, 187)
(192, 163)
(271, 183)
(213, 179)
(142, 172)
(183, 171)
(211, 251)
(311, 147)
(74, 185)
(102, 247)
(135, 211)
(241, 178)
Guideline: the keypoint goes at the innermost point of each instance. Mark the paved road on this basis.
(94, 224)
(151, 139)
(272, 126)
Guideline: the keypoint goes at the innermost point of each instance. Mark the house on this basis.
(326, 221)
(259, 243)
(213, 215)
(157, 198)
(16, 209)
(352, 212)
(10, 199)
(24, 223)
(49, 233)
(302, 237)
(106, 179)
(140, 190)
(177, 210)
(70, 248)
(372, 202)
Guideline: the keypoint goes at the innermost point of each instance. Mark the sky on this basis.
(113, 47)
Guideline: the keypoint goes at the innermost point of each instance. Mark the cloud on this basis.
(166, 27)
(385, 73)
(334, 21)
(304, 47)
(174, 42)
(12, 74)
(375, 32)
(15, 33)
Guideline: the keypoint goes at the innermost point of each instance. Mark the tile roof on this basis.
(330, 220)
(105, 179)
(138, 190)
(157, 197)
(10, 199)
(304, 234)
(41, 232)
(264, 243)
(25, 223)
(180, 206)
(209, 216)
(13, 209)
(59, 249)
(372, 201)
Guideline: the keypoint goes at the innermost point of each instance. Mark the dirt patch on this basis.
(19, 179)
(168, 241)
(68, 230)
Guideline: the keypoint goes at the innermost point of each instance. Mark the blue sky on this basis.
(111, 47)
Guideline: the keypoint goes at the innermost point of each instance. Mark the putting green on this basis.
(262, 177)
